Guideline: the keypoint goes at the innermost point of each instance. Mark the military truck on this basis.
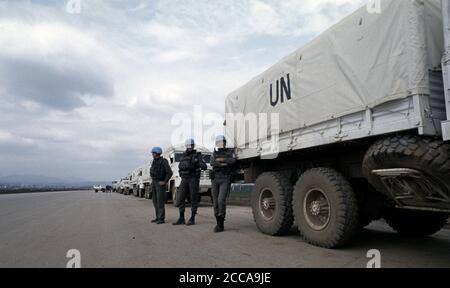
(145, 181)
(134, 181)
(173, 155)
(124, 186)
(357, 127)
(140, 182)
(115, 186)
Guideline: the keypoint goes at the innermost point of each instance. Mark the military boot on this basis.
(181, 220)
(219, 227)
(192, 220)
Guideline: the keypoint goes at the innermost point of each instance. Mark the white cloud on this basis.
(161, 57)
(48, 40)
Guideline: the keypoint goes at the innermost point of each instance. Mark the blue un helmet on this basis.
(221, 141)
(157, 150)
(190, 143)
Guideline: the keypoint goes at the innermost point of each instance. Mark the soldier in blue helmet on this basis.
(222, 162)
(190, 167)
(161, 174)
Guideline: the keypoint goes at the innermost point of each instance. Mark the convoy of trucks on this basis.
(138, 182)
(123, 185)
(358, 124)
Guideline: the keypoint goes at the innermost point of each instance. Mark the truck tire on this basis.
(272, 204)
(431, 157)
(416, 223)
(371, 203)
(325, 208)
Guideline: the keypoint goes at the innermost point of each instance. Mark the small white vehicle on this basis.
(173, 155)
(99, 188)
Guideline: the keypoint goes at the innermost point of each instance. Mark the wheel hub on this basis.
(317, 209)
(267, 204)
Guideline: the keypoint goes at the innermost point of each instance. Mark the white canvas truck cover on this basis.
(365, 60)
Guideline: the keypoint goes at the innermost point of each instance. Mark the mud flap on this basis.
(411, 189)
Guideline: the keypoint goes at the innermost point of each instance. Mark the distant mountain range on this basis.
(39, 180)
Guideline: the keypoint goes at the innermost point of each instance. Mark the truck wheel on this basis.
(416, 223)
(325, 208)
(371, 203)
(272, 204)
(432, 157)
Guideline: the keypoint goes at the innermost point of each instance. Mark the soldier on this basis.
(222, 162)
(161, 174)
(190, 167)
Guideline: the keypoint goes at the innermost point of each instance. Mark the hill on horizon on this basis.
(30, 179)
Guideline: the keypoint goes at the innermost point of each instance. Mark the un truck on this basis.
(141, 181)
(357, 127)
(115, 186)
(142, 188)
(124, 185)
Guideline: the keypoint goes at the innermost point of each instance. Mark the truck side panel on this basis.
(342, 87)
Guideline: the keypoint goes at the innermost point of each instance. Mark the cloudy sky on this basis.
(87, 94)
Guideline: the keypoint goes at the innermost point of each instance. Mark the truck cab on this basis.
(134, 181)
(125, 185)
(115, 185)
(144, 182)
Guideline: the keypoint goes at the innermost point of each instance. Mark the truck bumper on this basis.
(446, 130)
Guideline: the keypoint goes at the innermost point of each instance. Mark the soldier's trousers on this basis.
(220, 192)
(159, 200)
(191, 187)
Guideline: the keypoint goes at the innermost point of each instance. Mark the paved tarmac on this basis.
(112, 230)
